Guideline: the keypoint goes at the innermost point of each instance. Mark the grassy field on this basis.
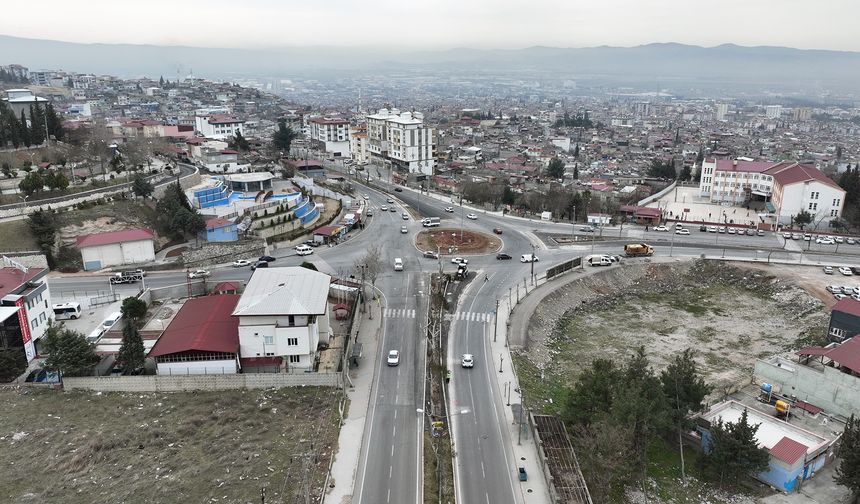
(227, 446)
(16, 236)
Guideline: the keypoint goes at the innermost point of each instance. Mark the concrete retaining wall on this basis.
(656, 196)
(201, 382)
(837, 392)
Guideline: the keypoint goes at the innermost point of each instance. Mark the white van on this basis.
(528, 258)
(398, 264)
(304, 250)
(111, 319)
(66, 311)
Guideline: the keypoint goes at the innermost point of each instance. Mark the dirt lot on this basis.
(16, 236)
(453, 241)
(731, 315)
(184, 447)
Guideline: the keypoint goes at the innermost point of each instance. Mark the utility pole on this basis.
(533, 264)
(496, 324)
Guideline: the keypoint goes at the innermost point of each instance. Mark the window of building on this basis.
(292, 341)
(813, 206)
(835, 202)
(834, 212)
(269, 340)
(837, 333)
(295, 359)
(291, 320)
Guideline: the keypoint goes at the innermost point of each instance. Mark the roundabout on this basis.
(456, 241)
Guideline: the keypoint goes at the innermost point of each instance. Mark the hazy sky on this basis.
(417, 24)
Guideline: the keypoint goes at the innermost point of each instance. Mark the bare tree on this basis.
(370, 266)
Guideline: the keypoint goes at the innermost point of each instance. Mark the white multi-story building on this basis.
(283, 314)
(403, 139)
(722, 110)
(773, 111)
(331, 133)
(217, 123)
(358, 144)
(787, 187)
(25, 306)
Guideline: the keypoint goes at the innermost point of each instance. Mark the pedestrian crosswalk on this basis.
(470, 316)
(399, 313)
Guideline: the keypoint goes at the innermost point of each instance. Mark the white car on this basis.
(825, 241)
(834, 289)
(839, 239)
(732, 230)
(390, 200)
(661, 228)
(712, 229)
(459, 260)
(304, 250)
(384, 208)
(241, 263)
(828, 270)
(529, 258)
(449, 209)
(849, 241)
(839, 296)
(845, 270)
(467, 361)
(201, 273)
(404, 229)
(393, 357)
(787, 236)
(682, 231)
(471, 216)
(366, 197)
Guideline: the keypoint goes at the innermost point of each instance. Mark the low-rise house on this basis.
(283, 315)
(114, 248)
(844, 320)
(219, 229)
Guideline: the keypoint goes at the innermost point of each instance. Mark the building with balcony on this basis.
(25, 306)
(217, 123)
(402, 139)
(283, 318)
(331, 134)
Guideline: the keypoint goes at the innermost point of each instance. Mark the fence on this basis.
(562, 268)
(160, 383)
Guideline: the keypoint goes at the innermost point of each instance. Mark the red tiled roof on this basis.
(847, 354)
(127, 235)
(223, 119)
(12, 278)
(328, 230)
(203, 324)
(792, 174)
(847, 305)
(216, 222)
(225, 286)
(229, 151)
(788, 450)
(744, 166)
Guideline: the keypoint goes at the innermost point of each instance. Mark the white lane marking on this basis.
(390, 470)
(394, 431)
(392, 451)
(388, 498)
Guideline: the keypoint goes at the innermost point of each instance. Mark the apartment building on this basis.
(331, 134)
(25, 306)
(216, 123)
(402, 139)
(358, 144)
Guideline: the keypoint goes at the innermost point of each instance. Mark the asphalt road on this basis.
(390, 469)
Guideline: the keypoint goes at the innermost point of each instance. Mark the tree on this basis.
(603, 451)
(594, 393)
(140, 186)
(24, 131)
(37, 124)
(13, 362)
(283, 137)
(131, 352)
(55, 125)
(61, 181)
(68, 351)
(175, 215)
(803, 218)
(239, 143)
(555, 169)
(684, 389)
(575, 172)
(43, 225)
(686, 173)
(732, 451)
(664, 170)
(848, 471)
(133, 309)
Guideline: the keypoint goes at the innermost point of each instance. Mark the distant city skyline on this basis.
(444, 24)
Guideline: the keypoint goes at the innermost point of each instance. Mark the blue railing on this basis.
(310, 216)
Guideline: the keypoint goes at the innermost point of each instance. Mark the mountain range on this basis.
(661, 61)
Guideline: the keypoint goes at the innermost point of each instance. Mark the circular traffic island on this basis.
(455, 241)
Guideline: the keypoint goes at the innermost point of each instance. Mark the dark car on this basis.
(703, 228)
(501, 256)
(497, 230)
(266, 258)
(855, 270)
(260, 264)
(398, 189)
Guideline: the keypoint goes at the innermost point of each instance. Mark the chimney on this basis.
(734, 162)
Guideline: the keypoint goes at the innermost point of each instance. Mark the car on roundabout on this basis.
(501, 256)
(459, 260)
(472, 216)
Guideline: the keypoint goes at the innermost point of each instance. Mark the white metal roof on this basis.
(284, 291)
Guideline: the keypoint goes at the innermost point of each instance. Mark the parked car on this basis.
(839, 239)
(497, 230)
(855, 297)
(839, 296)
(850, 241)
(471, 216)
(501, 256)
(796, 236)
(712, 229)
(431, 254)
(834, 289)
(658, 228)
(303, 250)
(759, 232)
(393, 357)
(366, 197)
(449, 209)
(467, 361)
(750, 232)
(241, 263)
(459, 260)
(825, 241)
(721, 229)
(845, 270)
(787, 236)
(266, 258)
(855, 270)
(200, 273)
(682, 231)
(732, 230)
(828, 270)
(703, 228)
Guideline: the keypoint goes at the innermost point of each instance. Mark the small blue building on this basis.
(219, 230)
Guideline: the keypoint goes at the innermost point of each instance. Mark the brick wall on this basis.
(201, 382)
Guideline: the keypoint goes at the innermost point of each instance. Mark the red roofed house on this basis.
(25, 307)
(786, 187)
(203, 338)
(114, 248)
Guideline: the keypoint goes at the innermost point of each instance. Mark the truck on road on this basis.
(124, 277)
(638, 250)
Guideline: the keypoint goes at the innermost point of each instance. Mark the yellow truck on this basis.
(638, 250)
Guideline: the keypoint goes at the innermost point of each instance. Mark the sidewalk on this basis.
(526, 454)
(345, 466)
